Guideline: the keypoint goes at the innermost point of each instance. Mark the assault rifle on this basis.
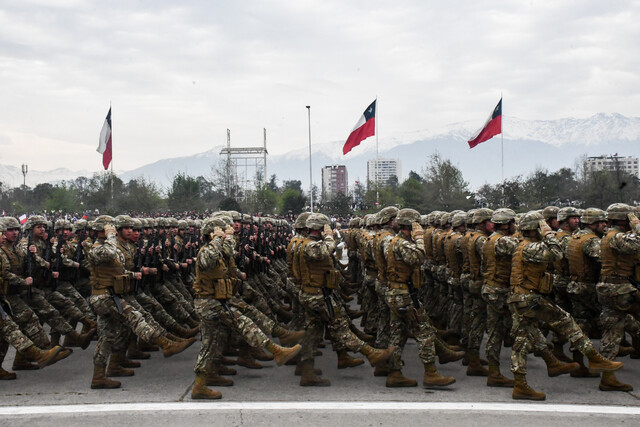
(78, 255)
(31, 258)
(139, 264)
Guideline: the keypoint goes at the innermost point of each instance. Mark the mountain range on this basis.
(528, 144)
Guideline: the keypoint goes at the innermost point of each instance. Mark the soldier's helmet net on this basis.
(593, 215)
(407, 216)
(459, 219)
(530, 220)
(503, 216)
(301, 220)
(619, 211)
(550, 212)
(100, 222)
(481, 215)
(567, 212)
(210, 223)
(387, 214)
(35, 220)
(123, 221)
(317, 221)
(10, 222)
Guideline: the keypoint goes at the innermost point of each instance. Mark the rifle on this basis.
(327, 301)
(413, 294)
(58, 265)
(30, 259)
(79, 253)
(634, 282)
(139, 265)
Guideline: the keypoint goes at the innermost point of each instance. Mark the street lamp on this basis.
(25, 169)
(310, 170)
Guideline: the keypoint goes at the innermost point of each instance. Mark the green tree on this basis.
(293, 201)
(184, 194)
(445, 188)
(62, 199)
(339, 205)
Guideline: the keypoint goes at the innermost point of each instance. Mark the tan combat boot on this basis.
(558, 352)
(609, 382)
(286, 336)
(134, 352)
(309, 378)
(212, 377)
(42, 357)
(597, 363)
(475, 368)
(554, 366)
(445, 354)
(83, 340)
(246, 359)
(360, 334)
(582, 371)
(201, 391)
(396, 379)
(100, 380)
(169, 348)
(346, 361)
(496, 379)
(298, 371)
(6, 375)
(433, 378)
(115, 369)
(381, 371)
(20, 363)
(260, 354)
(145, 346)
(282, 354)
(89, 323)
(376, 356)
(522, 391)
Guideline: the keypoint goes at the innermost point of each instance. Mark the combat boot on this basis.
(213, 377)
(558, 352)
(624, 351)
(100, 380)
(433, 378)
(192, 322)
(354, 314)
(88, 323)
(20, 363)
(6, 375)
(554, 366)
(298, 370)
(133, 352)
(360, 334)
(55, 339)
(145, 346)
(42, 358)
(286, 336)
(114, 369)
(609, 382)
(169, 348)
(64, 353)
(83, 340)
(260, 354)
(201, 391)
(227, 361)
(445, 354)
(186, 333)
(381, 371)
(597, 363)
(346, 361)
(245, 359)
(582, 371)
(496, 379)
(396, 379)
(282, 354)
(522, 391)
(475, 368)
(309, 378)
(376, 356)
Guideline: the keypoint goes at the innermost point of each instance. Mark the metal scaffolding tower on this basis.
(246, 167)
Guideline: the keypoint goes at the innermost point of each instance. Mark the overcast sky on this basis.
(179, 73)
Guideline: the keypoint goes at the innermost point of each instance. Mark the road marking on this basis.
(320, 406)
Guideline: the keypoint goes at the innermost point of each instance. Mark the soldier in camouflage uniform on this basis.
(620, 300)
(454, 262)
(213, 287)
(531, 306)
(496, 268)
(404, 255)
(109, 281)
(583, 254)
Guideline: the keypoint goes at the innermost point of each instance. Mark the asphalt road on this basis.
(159, 394)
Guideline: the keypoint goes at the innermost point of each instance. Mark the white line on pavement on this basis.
(320, 406)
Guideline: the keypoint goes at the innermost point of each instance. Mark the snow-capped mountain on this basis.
(528, 144)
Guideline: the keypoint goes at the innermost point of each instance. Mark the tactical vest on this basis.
(529, 276)
(561, 266)
(399, 273)
(438, 247)
(464, 249)
(615, 264)
(368, 258)
(582, 267)
(290, 249)
(380, 256)
(111, 275)
(317, 274)
(475, 261)
(428, 242)
(213, 282)
(496, 269)
(453, 257)
(15, 266)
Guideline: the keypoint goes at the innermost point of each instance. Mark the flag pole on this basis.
(111, 153)
(310, 168)
(502, 148)
(377, 154)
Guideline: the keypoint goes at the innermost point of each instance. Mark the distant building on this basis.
(383, 169)
(334, 181)
(612, 163)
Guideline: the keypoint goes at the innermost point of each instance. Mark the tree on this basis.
(339, 205)
(62, 199)
(293, 201)
(229, 204)
(266, 199)
(184, 194)
(445, 188)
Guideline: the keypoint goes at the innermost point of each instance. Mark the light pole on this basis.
(25, 169)
(310, 170)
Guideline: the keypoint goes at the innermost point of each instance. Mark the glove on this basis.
(229, 230)
(417, 232)
(109, 230)
(633, 220)
(545, 230)
(217, 232)
(326, 231)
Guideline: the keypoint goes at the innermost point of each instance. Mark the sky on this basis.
(179, 74)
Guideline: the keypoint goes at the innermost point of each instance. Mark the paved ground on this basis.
(159, 393)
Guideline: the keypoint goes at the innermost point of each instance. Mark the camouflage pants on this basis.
(28, 322)
(83, 286)
(114, 327)
(177, 283)
(456, 309)
(46, 312)
(213, 316)
(531, 311)
(370, 305)
(383, 333)
(264, 323)
(188, 307)
(585, 306)
(297, 323)
(498, 320)
(158, 312)
(617, 299)
(148, 317)
(255, 298)
(478, 314)
(406, 318)
(70, 292)
(10, 333)
(317, 317)
(170, 303)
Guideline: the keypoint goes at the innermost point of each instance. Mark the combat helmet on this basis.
(481, 215)
(317, 221)
(530, 220)
(369, 220)
(503, 216)
(469, 217)
(182, 224)
(35, 220)
(593, 215)
(301, 221)
(407, 216)
(212, 222)
(123, 221)
(100, 222)
(567, 212)
(550, 212)
(619, 211)
(459, 219)
(10, 222)
(387, 214)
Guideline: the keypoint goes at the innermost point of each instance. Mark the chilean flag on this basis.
(104, 147)
(491, 128)
(365, 128)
